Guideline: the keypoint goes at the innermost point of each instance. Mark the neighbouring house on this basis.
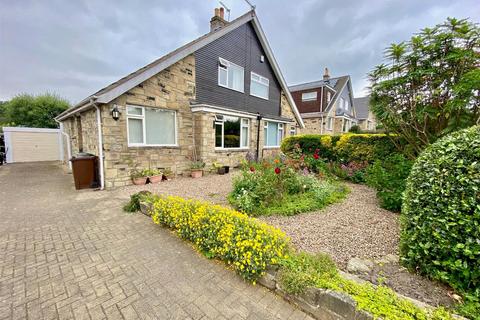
(366, 118)
(215, 99)
(326, 106)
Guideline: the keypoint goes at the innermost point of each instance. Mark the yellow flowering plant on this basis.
(245, 243)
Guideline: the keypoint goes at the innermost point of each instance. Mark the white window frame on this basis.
(220, 120)
(252, 74)
(293, 130)
(329, 97)
(144, 128)
(312, 97)
(280, 133)
(329, 123)
(224, 64)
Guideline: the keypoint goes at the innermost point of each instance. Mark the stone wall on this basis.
(171, 89)
(89, 135)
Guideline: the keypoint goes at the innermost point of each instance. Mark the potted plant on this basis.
(197, 168)
(167, 174)
(138, 178)
(218, 167)
(154, 175)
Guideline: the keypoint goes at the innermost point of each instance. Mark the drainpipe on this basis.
(259, 118)
(100, 144)
(69, 148)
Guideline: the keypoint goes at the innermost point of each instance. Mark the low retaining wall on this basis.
(320, 303)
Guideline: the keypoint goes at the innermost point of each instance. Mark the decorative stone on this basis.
(357, 265)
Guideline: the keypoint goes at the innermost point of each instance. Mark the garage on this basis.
(32, 144)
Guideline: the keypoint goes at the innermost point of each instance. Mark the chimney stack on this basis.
(218, 21)
(326, 74)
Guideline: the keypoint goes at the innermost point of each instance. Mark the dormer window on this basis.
(230, 75)
(309, 96)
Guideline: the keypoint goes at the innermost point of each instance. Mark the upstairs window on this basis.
(231, 132)
(151, 126)
(273, 133)
(329, 97)
(259, 86)
(309, 96)
(230, 75)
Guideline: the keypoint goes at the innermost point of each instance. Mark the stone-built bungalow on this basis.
(366, 119)
(217, 98)
(327, 105)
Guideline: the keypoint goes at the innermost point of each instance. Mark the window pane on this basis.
(244, 136)
(134, 111)
(259, 89)
(235, 77)
(135, 131)
(231, 127)
(272, 136)
(308, 96)
(218, 135)
(222, 76)
(160, 126)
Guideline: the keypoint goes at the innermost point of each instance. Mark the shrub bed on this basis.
(245, 243)
(441, 213)
(277, 187)
(301, 271)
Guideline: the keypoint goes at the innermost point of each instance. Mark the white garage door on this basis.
(32, 144)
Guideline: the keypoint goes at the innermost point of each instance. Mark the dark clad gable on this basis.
(242, 47)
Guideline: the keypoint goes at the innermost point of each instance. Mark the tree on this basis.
(34, 111)
(430, 85)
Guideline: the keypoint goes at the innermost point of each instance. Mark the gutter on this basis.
(100, 143)
(74, 110)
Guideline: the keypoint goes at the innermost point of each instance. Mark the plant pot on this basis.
(227, 169)
(197, 173)
(156, 179)
(139, 181)
(221, 170)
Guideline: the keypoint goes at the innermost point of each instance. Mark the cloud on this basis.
(74, 48)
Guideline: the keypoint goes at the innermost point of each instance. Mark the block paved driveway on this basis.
(67, 254)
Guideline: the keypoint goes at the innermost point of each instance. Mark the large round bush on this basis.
(441, 212)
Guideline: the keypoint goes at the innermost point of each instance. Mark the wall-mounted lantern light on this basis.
(115, 112)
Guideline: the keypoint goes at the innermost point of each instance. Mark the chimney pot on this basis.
(217, 22)
(326, 74)
(222, 13)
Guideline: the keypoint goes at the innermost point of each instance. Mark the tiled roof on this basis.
(362, 107)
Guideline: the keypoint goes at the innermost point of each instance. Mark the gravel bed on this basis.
(355, 227)
(212, 187)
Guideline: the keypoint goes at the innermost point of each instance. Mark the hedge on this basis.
(245, 243)
(344, 148)
(441, 212)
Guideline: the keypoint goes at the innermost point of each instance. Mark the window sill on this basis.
(271, 147)
(243, 91)
(153, 146)
(231, 149)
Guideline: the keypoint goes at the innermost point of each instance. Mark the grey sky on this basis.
(74, 48)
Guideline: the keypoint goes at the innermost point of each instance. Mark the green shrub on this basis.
(344, 148)
(245, 243)
(301, 271)
(134, 204)
(441, 213)
(355, 129)
(388, 177)
(365, 147)
(260, 190)
(309, 144)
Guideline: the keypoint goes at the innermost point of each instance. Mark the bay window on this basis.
(259, 86)
(329, 123)
(273, 133)
(230, 75)
(231, 132)
(151, 126)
